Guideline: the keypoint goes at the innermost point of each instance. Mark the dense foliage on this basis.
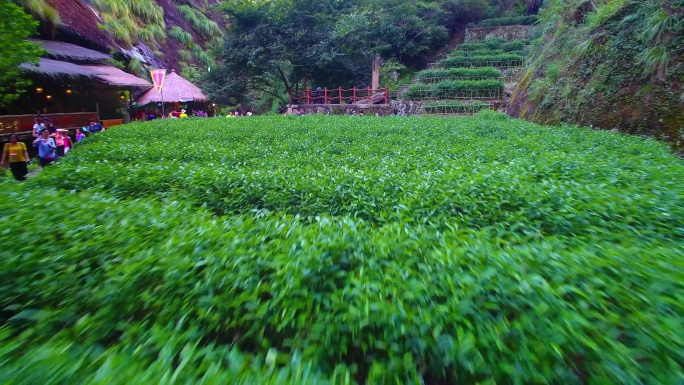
(612, 64)
(341, 249)
(15, 27)
(273, 47)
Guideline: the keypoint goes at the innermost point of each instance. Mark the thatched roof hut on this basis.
(74, 62)
(116, 77)
(174, 89)
(70, 52)
(56, 69)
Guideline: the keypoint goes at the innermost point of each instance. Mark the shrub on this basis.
(156, 31)
(501, 60)
(121, 31)
(470, 47)
(185, 55)
(183, 37)
(199, 22)
(492, 44)
(367, 250)
(450, 89)
(516, 45)
(485, 52)
(436, 75)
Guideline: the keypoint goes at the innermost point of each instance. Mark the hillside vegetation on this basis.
(346, 250)
(615, 64)
(272, 48)
(144, 33)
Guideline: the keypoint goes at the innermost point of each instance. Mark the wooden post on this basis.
(368, 95)
(340, 94)
(325, 95)
(386, 95)
(354, 94)
(375, 82)
(308, 96)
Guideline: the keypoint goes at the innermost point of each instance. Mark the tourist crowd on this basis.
(50, 142)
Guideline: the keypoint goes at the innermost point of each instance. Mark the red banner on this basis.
(158, 78)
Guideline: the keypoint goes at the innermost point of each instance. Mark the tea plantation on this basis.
(338, 250)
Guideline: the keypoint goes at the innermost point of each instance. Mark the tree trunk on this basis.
(375, 82)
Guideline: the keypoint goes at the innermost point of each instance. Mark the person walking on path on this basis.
(59, 142)
(95, 127)
(46, 148)
(18, 156)
(38, 127)
(68, 144)
(79, 135)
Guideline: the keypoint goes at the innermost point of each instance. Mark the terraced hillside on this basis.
(471, 78)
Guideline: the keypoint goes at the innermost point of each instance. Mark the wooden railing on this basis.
(340, 96)
(10, 124)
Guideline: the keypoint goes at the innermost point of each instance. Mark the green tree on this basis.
(15, 27)
(271, 46)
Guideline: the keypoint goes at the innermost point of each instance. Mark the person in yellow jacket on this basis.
(183, 114)
(18, 156)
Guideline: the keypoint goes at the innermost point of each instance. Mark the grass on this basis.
(346, 250)
(200, 22)
(185, 55)
(131, 21)
(42, 10)
(183, 37)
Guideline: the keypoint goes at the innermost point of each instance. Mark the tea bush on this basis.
(452, 107)
(491, 44)
(449, 89)
(500, 60)
(515, 45)
(316, 249)
(434, 75)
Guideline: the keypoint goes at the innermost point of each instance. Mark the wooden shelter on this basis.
(72, 85)
(65, 60)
